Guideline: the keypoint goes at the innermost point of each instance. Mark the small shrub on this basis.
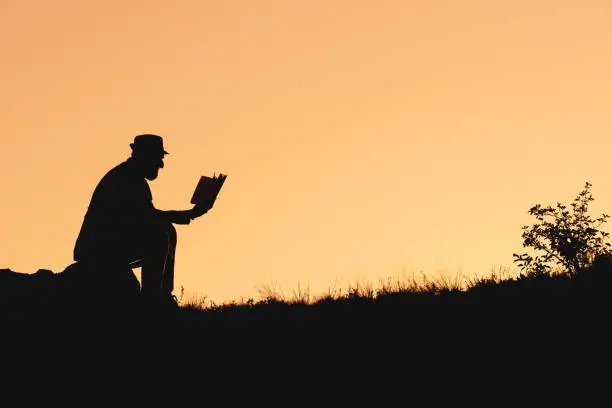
(571, 239)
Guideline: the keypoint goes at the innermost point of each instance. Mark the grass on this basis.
(415, 301)
(434, 323)
(404, 286)
(421, 300)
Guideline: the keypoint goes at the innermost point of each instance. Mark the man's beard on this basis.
(152, 175)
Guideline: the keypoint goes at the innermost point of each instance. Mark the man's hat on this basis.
(148, 143)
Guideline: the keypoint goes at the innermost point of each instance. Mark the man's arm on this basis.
(175, 216)
(185, 216)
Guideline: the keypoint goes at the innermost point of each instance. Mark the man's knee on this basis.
(162, 235)
(171, 235)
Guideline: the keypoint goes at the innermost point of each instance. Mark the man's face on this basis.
(151, 165)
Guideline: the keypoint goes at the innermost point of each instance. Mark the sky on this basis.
(363, 140)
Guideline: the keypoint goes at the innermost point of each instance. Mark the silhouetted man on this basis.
(122, 226)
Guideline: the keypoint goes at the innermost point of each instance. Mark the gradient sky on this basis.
(362, 139)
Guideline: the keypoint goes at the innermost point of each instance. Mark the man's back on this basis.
(121, 203)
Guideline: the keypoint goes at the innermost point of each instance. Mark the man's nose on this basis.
(161, 164)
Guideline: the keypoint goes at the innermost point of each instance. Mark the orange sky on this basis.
(362, 139)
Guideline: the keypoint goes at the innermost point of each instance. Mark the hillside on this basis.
(494, 300)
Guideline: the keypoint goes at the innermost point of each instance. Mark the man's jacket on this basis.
(120, 210)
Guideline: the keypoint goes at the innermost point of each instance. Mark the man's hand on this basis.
(200, 209)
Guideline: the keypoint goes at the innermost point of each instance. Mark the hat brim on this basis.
(145, 149)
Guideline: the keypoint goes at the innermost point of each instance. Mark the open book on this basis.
(207, 189)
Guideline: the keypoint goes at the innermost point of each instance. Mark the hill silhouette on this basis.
(556, 296)
(527, 327)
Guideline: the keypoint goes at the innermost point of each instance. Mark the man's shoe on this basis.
(172, 301)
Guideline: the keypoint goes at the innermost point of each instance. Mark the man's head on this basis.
(148, 152)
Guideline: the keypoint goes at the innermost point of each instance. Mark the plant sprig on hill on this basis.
(569, 238)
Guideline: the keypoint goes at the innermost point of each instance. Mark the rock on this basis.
(114, 279)
(82, 287)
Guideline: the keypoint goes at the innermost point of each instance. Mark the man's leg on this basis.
(156, 256)
(168, 276)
